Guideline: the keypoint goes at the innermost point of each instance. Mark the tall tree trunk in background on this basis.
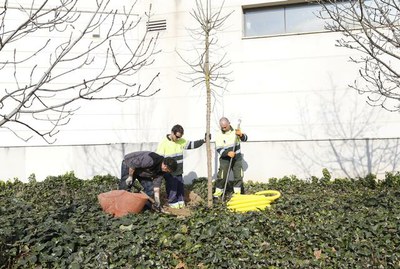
(208, 113)
(207, 69)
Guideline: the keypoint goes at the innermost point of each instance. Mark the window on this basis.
(303, 18)
(274, 20)
(264, 22)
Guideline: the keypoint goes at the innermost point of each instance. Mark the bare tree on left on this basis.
(55, 55)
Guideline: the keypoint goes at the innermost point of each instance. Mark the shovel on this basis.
(159, 209)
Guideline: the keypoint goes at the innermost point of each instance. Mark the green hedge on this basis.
(317, 223)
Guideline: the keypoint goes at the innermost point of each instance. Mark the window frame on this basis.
(279, 4)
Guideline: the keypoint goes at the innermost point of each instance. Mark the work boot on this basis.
(217, 195)
(237, 190)
(174, 205)
(218, 192)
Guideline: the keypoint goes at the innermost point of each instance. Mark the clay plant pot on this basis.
(120, 202)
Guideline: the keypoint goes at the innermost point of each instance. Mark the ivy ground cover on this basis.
(316, 223)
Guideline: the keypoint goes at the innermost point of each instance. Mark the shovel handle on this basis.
(148, 197)
(145, 194)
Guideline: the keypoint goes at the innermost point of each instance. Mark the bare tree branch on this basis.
(370, 27)
(86, 55)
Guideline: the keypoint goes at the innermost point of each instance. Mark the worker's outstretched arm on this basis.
(129, 180)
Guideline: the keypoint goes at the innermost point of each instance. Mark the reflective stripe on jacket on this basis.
(226, 141)
(169, 148)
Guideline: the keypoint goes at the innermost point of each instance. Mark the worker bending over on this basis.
(148, 168)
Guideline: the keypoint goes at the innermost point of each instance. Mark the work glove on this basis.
(231, 154)
(157, 198)
(239, 132)
(205, 136)
(128, 181)
(156, 205)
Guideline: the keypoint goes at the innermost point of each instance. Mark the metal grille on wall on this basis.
(158, 25)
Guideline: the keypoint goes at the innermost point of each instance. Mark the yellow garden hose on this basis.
(251, 202)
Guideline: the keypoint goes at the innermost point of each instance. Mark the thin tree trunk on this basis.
(208, 114)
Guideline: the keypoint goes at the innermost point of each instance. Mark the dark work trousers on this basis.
(236, 169)
(124, 175)
(175, 188)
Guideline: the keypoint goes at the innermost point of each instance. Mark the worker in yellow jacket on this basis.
(173, 146)
(227, 144)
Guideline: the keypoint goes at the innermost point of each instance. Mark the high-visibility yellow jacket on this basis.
(169, 148)
(227, 141)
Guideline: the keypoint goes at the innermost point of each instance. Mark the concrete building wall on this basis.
(284, 88)
(262, 160)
